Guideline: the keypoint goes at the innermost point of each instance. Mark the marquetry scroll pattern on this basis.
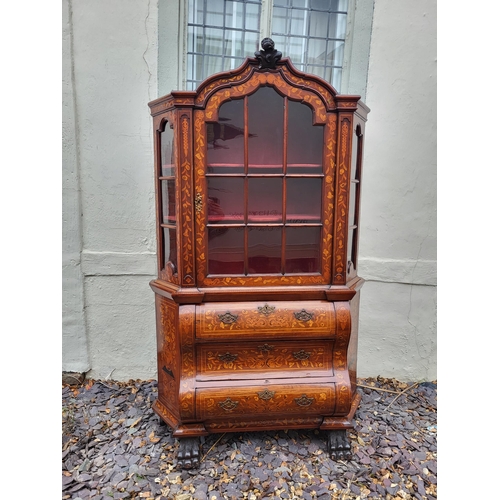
(186, 213)
(186, 333)
(254, 358)
(217, 319)
(167, 348)
(342, 337)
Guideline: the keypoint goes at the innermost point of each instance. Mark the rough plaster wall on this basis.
(115, 51)
(398, 208)
(74, 339)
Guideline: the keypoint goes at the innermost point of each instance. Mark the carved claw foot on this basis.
(339, 446)
(188, 456)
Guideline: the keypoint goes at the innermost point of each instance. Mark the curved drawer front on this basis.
(227, 320)
(264, 400)
(233, 361)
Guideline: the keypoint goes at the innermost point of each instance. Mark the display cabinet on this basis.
(258, 177)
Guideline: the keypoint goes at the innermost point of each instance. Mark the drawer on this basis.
(237, 320)
(264, 359)
(313, 399)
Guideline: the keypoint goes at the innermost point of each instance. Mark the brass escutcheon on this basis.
(304, 400)
(228, 318)
(266, 309)
(266, 348)
(227, 357)
(301, 354)
(228, 404)
(266, 394)
(303, 315)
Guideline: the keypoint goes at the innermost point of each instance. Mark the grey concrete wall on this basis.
(115, 66)
(398, 207)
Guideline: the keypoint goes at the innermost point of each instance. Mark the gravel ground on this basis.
(115, 448)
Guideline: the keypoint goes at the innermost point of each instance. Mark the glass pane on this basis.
(302, 250)
(303, 200)
(354, 156)
(350, 249)
(336, 79)
(337, 26)
(234, 15)
(352, 203)
(316, 52)
(329, 5)
(225, 250)
(225, 200)
(231, 63)
(264, 200)
(234, 43)
(305, 141)
(321, 4)
(195, 11)
(279, 24)
(215, 13)
(298, 24)
(318, 25)
(168, 201)
(213, 41)
(265, 123)
(252, 17)
(335, 53)
(167, 151)
(211, 65)
(252, 44)
(170, 246)
(297, 49)
(264, 250)
(225, 140)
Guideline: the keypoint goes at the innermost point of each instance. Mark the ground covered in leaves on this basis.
(113, 447)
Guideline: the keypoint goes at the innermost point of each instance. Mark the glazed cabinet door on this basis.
(166, 197)
(263, 192)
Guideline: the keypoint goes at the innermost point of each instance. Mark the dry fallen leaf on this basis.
(152, 437)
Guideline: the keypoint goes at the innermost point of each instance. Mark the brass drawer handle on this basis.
(303, 315)
(302, 355)
(228, 318)
(228, 404)
(266, 394)
(266, 348)
(304, 400)
(266, 309)
(227, 357)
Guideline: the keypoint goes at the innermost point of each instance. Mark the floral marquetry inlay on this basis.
(255, 358)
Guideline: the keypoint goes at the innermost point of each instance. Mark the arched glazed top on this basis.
(284, 76)
(262, 79)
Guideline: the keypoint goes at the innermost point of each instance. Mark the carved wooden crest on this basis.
(268, 56)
